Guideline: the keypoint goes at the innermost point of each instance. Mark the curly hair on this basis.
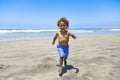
(63, 19)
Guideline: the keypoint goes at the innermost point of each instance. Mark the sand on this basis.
(90, 58)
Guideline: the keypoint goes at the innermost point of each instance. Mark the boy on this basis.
(63, 39)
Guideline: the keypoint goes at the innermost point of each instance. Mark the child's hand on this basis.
(52, 43)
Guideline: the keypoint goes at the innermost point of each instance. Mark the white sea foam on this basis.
(38, 31)
(114, 29)
(82, 31)
(26, 31)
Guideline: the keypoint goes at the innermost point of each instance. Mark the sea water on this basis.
(48, 33)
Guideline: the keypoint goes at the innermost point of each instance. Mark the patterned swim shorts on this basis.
(63, 51)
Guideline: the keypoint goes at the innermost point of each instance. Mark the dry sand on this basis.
(91, 58)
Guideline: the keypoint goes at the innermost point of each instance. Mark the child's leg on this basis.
(61, 63)
(65, 61)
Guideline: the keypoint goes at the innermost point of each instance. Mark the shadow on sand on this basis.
(66, 68)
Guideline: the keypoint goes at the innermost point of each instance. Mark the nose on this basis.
(62, 26)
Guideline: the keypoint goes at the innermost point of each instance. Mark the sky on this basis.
(87, 13)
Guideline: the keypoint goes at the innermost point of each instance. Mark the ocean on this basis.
(48, 33)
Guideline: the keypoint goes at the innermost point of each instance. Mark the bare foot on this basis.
(60, 70)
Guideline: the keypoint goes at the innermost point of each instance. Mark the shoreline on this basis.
(50, 38)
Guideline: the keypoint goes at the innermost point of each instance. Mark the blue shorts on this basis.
(63, 51)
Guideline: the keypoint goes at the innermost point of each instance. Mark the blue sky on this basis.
(95, 13)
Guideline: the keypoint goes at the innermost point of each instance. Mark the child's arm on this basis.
(55, 37)
(72, 35)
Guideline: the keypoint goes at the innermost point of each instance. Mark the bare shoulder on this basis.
(72, 35)
(58, 32)
(69, 32)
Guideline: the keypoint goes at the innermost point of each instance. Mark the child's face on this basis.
(62, 26)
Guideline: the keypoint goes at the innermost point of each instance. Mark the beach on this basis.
(90, 58)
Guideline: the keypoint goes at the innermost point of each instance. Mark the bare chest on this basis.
(63, 37)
